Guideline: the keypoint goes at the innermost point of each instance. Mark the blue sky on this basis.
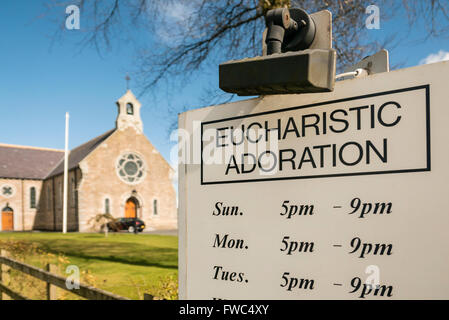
(39, 81)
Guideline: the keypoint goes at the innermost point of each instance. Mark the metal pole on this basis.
(66, 166)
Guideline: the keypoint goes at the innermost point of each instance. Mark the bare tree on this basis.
(191, 34)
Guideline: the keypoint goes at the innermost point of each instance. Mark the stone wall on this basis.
(20, 202)
(49, 215)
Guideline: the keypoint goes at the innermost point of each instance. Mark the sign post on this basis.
(339, 195)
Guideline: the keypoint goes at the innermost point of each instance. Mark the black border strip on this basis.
(427, 168)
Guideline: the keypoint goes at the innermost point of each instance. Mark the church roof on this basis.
(79, 153)
(20, 162)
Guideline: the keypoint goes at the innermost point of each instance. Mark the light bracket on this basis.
(298, 57)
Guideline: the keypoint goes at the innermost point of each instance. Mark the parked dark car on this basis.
(126, 224)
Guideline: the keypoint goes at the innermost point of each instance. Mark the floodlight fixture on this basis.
(293, 63)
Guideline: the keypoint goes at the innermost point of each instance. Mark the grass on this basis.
(125, 264)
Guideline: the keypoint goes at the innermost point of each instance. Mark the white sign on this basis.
(319, 196)
(346, 137)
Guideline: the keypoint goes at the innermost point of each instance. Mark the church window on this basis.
(106, 206)
(7, 191)
(33, 197)
(73, 191)
(48, 197)
(155, 207)
(129, 108)
(59, 198)
(131, 168)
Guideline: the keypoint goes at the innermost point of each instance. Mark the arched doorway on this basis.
(131, 208)
(7, 218)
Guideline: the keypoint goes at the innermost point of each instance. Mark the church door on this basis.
(7, 219)
(131, 208)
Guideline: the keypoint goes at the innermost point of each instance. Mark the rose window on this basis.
(131, 168)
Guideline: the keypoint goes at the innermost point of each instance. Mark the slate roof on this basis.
(20, 162)
(79, 153)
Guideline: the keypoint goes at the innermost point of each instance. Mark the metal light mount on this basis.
(376, 63)
(288, 30)
(297, 57)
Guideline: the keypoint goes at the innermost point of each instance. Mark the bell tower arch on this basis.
(129, 113)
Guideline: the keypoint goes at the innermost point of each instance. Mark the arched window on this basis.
(129, 108)
(73, 191)
(59, 196)
(33, 197)
(107, 206)
(48, 197)
(155, 207)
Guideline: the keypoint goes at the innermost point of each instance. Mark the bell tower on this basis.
(129, 113)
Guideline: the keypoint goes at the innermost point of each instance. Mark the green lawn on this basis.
(125, 264)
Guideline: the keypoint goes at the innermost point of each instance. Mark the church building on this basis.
(119, 172)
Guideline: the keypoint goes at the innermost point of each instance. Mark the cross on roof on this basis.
(127, 78)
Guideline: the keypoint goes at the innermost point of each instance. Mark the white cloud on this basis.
(435, 57)
(178, 11)
(178, 16)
